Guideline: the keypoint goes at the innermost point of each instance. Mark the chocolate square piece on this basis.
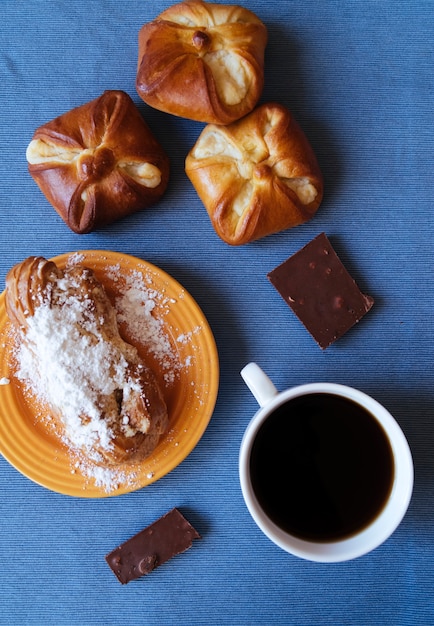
(318, 288)
(168, 536)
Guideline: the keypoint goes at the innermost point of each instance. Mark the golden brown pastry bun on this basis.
(104, 399)
(98, 162)
(202, 61)
(256, 176)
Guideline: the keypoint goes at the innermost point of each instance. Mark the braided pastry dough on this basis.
(104, 399)
(98, 162)
(256, 176)
(202, 61)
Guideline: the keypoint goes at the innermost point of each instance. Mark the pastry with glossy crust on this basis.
(202, 61)
(107, 403)
(256, 176)
(98, 162)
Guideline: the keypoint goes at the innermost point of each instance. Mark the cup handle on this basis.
(259, 383)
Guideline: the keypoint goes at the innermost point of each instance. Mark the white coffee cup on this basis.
(390, 514)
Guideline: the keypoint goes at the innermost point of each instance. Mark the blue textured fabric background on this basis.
(359, 78)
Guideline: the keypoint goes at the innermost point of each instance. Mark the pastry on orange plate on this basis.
(202, 61)
(104, 400)
(98, 162)
(256, 176)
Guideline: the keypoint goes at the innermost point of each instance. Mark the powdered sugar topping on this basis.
(141, 309)
(70, 366)
(135, 305)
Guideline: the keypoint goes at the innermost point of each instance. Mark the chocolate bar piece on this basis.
(168, 536)
(320, 291)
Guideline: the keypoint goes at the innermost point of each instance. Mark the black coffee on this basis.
(321, 467)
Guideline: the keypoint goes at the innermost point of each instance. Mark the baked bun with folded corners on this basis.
(103, 399)
(202, 61)
(98, 162)
(256, 176)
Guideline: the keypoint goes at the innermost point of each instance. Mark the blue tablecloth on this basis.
(358, 76)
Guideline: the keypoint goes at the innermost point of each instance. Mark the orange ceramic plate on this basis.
(188, 371)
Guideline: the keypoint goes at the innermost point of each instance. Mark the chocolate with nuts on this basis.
(168, 536)
(320, 291)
